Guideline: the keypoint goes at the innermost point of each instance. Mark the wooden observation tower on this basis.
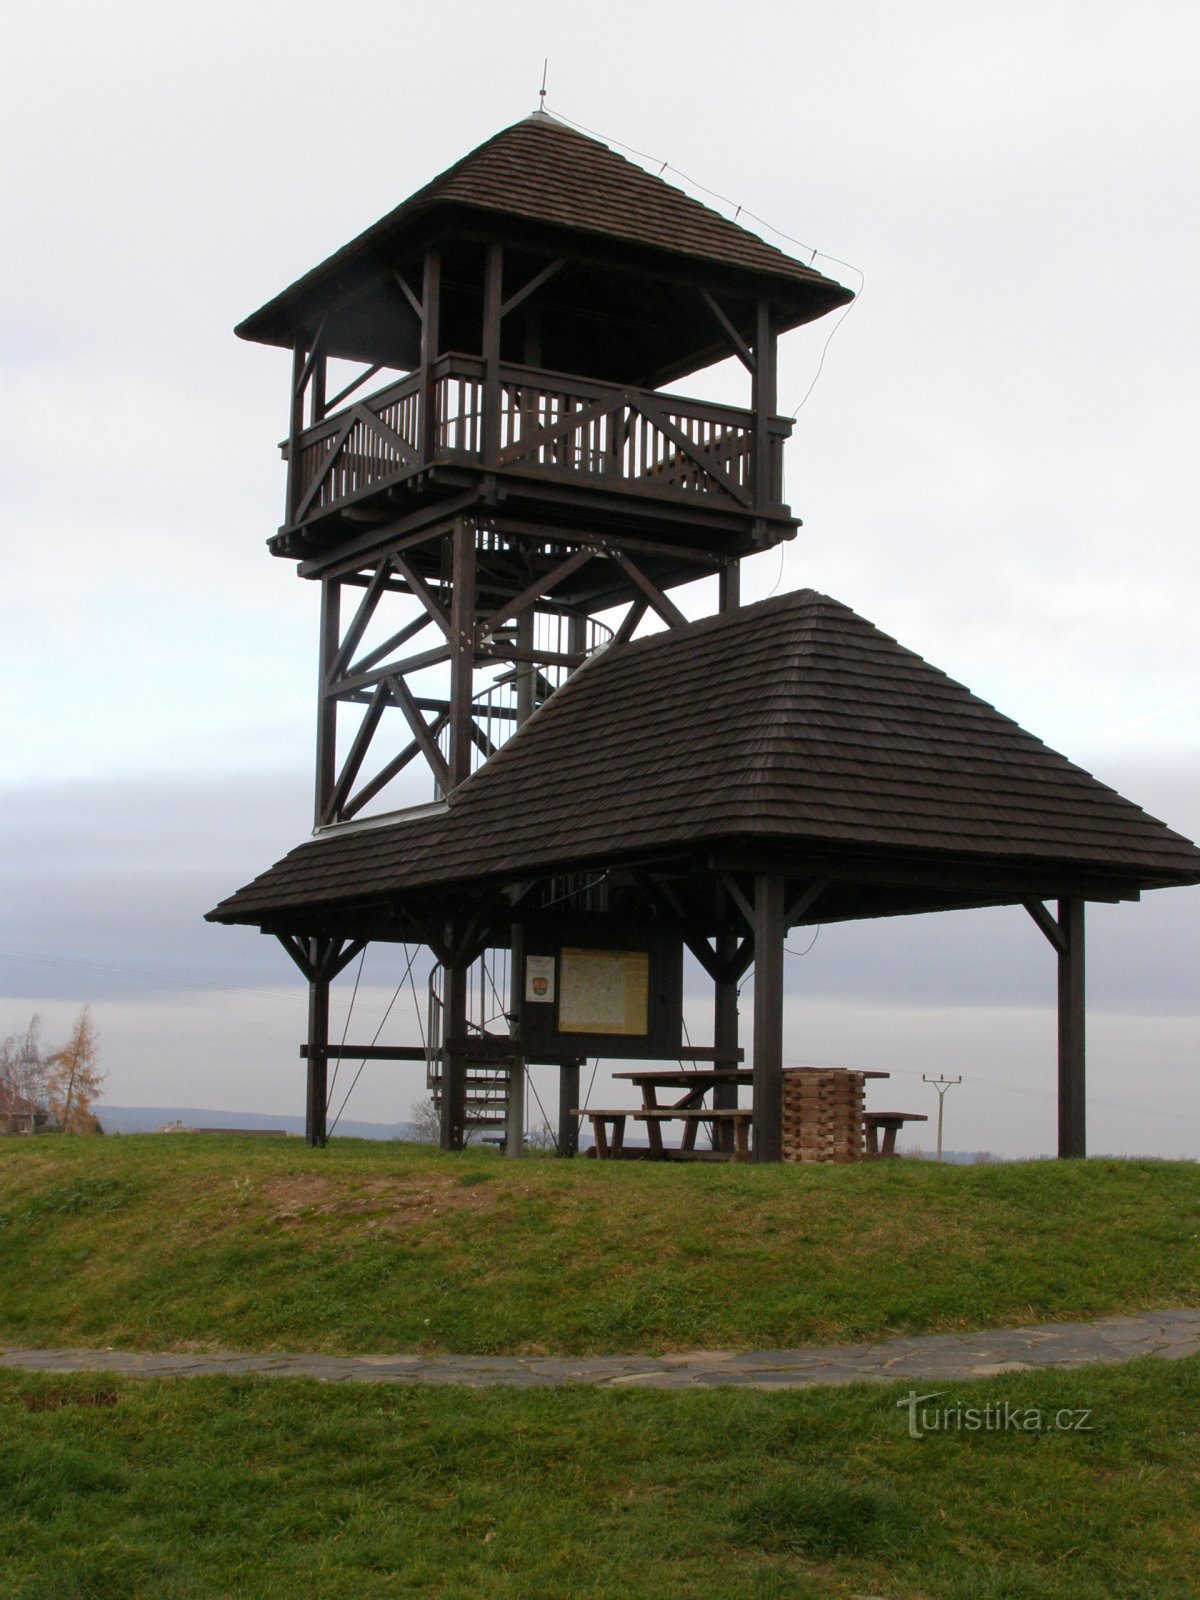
(516, 493)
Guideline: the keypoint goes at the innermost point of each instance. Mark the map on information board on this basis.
(604, 991)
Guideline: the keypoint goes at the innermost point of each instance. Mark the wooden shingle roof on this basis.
(793, 722)
(546, 175)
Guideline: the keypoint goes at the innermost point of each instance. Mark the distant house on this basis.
(19, 1115)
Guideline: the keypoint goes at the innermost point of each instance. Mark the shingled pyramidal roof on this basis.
(544, 175)
(792, 723)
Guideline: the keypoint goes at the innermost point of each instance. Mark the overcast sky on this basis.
(997, 466)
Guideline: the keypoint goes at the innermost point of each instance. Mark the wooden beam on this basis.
(765, 402)
(803, 902)
(317, 1089)
(335, 449)
(354, 681)
(421, 732)
(360, 621)
(725, 1036)
(296, 950)
(356, 755)
(567, 1142)
(729, 584)
(423, 526)
(768, 1017)
(295, 429)
(570, 423)
(388, 436)
(734, 890)
(740, 348)
(434, 607)
(670, 613)
(1072, 1118)
(347, 953)
(454, 1062)
(462, 651)
(533, 285)
(355, 383)
(301, 382)
(539, 587)
(385, 775)
(708, 464)
(1047, 924)
(431, 299)
(539, 658)
(409, 295)
(493, 282)
(373, 1052)
(392, 642)
(326, 772)
(629, 622)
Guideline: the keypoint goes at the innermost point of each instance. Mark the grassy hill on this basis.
(204, 1489)
(192, 1242)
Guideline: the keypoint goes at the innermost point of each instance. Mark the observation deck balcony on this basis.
(588, 450)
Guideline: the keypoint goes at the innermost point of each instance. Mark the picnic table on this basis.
(689, 1107)
(608, 1126)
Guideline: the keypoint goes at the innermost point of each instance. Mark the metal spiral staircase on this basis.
(490, 1081)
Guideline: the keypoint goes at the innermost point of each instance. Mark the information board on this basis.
(604, 991)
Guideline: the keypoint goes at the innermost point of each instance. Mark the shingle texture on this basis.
(542, 172)
(792, 720)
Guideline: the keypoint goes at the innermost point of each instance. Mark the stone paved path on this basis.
(929, 1357)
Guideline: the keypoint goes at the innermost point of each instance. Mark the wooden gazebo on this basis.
(729, 779)
(709, 786)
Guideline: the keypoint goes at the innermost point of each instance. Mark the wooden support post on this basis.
(768, 1017)
(568, 1099)
(514, 1123)
(765, 402)
(431, 300)
(725, 1039)
(493, 294)
(316, 390)
(729, 584)
(1072, 1136)
(316, 1107)
(1065, 933)
(454, 1062)
(526, 684)
(295, 429)
(331, 596)
(462, 651)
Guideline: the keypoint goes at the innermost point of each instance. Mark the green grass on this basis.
(116, 1490)
(197, 1242)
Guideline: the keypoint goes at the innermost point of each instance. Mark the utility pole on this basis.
(941, 1085)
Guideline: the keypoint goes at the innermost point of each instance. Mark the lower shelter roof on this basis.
(792, 724)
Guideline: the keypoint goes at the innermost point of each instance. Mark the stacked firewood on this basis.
(822, 1114)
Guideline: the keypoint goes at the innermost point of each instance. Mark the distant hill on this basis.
(146, 1119)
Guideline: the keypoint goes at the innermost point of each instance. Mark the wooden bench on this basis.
(602, 1121)
(889, 1123)
(608, 1147)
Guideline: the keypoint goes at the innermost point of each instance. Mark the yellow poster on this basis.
(604, 991)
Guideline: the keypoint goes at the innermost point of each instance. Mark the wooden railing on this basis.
(539, 424)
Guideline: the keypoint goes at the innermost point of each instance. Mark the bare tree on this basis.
(75, 1080)
(24, 1073)
(425, 1120)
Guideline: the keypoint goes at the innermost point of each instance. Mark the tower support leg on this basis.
(1072, 1133)
(725, 1039)
(317, 1097)
(768, 1017)
(454, 1061)
(568, 1100)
